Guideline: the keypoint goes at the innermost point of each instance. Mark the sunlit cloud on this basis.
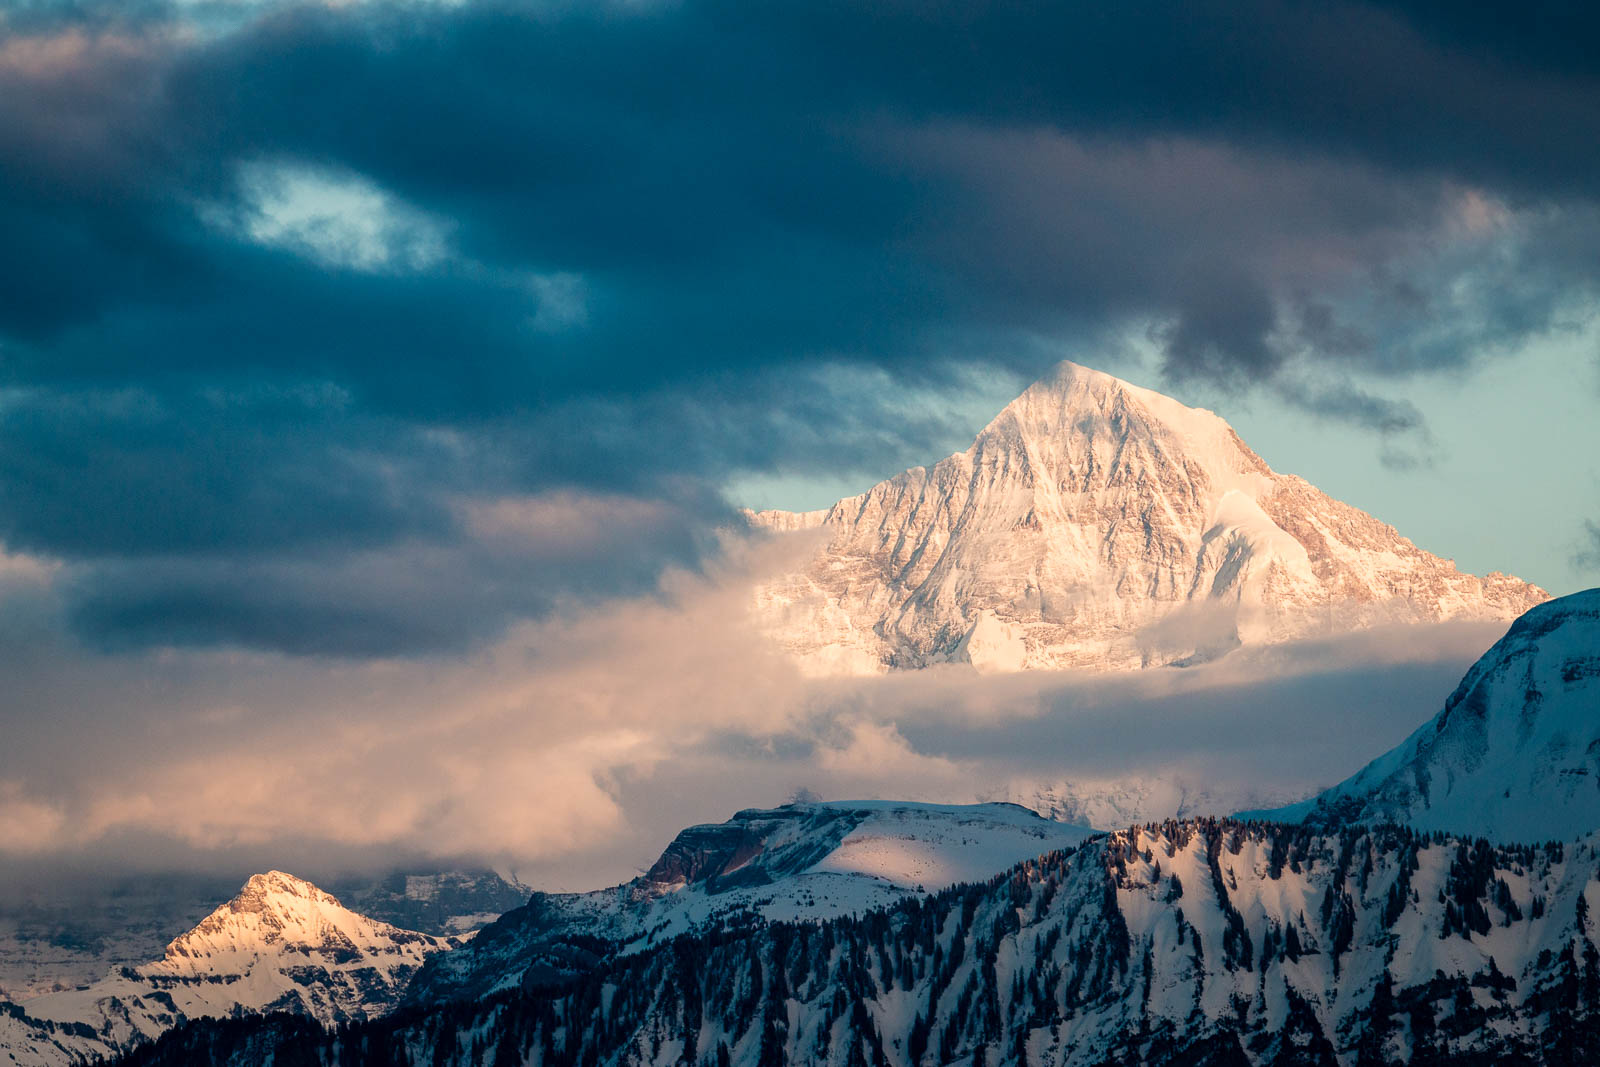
(27, 825)
(574, 746)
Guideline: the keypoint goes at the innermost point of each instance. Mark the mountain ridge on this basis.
(1185, 944)
(1513, 755)
(803, 861)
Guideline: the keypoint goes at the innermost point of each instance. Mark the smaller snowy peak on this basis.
(59, 934)
(279, 912)
(1513, 756)
(273, 902)
(280, 944)
(272, 883)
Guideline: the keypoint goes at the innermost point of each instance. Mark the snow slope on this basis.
(281, 944)
(1097, 524)
(1514, 755)
(800, 861)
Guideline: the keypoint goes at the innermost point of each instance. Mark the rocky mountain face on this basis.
(806, 862)
(1203, 942)
(281, 944)
(1514, 755)
(1097, 524)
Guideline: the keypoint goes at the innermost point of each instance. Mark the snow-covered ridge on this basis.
(1097, 524)
(1189, 943)
(800, 861)
(1514, 755)
(281, 944)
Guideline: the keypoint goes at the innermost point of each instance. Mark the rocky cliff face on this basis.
(1514, 755)
(1097, 524)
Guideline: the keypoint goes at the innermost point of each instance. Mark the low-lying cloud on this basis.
(572, 748)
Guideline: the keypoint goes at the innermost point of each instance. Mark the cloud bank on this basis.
(572, 749)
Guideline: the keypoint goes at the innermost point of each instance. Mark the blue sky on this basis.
(1514, 466)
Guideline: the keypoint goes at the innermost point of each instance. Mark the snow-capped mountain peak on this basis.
(278, 883)
(1098, 430)
(277, 913)
(272, 908)
(1094, 523)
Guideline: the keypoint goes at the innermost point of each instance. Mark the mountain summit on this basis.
(1097, 524)
(277, 916)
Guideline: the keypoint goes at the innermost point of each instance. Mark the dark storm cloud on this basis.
(284, 519)
(408, 598)
(628, 245)
(1221, 331)
(704, 166)
(717, 168)
(1543, 35)
(133, 473)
